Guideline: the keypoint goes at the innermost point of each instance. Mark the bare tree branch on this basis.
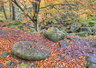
(56, 5)
(15, 2)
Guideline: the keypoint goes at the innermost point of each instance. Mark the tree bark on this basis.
(4, 12)
(36, 8)
(13, 12)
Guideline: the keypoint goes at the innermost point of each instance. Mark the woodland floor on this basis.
(74, 54)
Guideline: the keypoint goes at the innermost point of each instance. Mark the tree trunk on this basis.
(13, 12)
(36, 8)
(4, 12)
(36, 23)
(10, 12)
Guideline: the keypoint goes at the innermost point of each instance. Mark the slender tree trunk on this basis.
(36, 23)
(13, 12)
(10, 12)
(4, 12)
(36, 8)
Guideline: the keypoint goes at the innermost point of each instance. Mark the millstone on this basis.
(30, 50)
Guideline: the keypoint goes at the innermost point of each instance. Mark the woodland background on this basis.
(74, 15)
(27, 20)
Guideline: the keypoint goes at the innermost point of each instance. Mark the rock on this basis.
(93, 43)
(1, 65)
(78, 41)
(89, 30)
(91, 61)
(75, 27)
(30, 50)
(54, 34)
(85, 29)
(93, 28)
(82, 34)
(63, 44)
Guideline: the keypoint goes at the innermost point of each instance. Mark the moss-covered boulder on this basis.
(30, 50)
(54, 34)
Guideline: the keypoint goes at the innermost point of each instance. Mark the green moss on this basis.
(92, 23)
(14, 24)
(1, 20)
(23, 66)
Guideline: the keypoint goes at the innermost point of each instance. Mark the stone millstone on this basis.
(30, 50)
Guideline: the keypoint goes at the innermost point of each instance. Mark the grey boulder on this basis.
(1, 65)
(63, 44)
(93, 43)
(91, 61)
(30, 50)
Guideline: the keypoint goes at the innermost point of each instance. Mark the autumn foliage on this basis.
(43, 14)
(74, 55)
